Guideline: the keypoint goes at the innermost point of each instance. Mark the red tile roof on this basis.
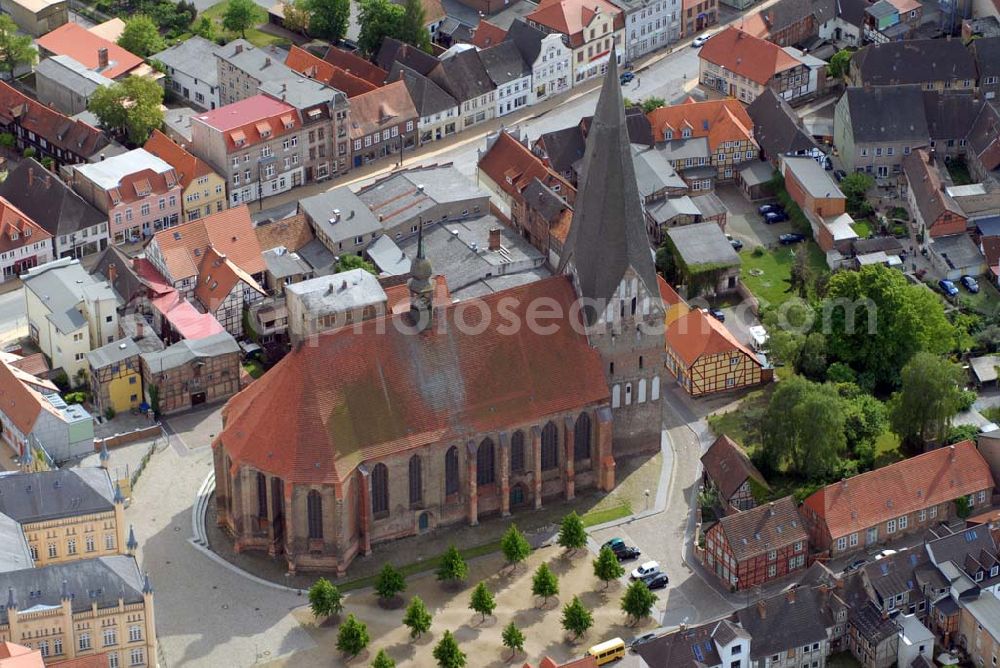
(356, 65)
(217, 277)
(19, 656)
(754, 532)
(746, 55)
(57, 129)
(36, 364)
(487, 34)
(19, 402)
(383, 107)
(187, 166)
(512, 166)
(293, 233)
(728, 466)
(695, 334)
(719, 120)
(395, 391)
(73, 40)
(397, 296)
(16, 229)
(309, 65)
(230, 232)
(570, 17)
(184, 318)
(871, 498)
(245, 120)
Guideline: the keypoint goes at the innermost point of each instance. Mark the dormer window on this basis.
(668, 135)
(979, 576)
(993, 571)
(13, 235)
(27, 232)
(686, 132)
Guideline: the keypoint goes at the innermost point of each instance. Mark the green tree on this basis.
(325, 599)
(544, 583)
(15, 49)
(961, 432)
(482, 600)
(328, 19)
(378, 19)
(840, 64)
(141, 36)
(607, 567)
(801, 277)
(206, 28)
(865, 419)
(513, 639)
(929, 396)
(962, 507)
(7, 140)
(855, 187)
(352, 636)
(576, 618)
(348, 262)
(389, 583)
(838, 372)
(638, 601)
(453, 567)
(414, 25)
(295, 16)
(812, 357)
(804, 428)
(651, 104)
(447, 653)
(383, 660)
(417, 617)
(130, 108)
(572, 535)
(240, 15)
(515, 546)
(877, 322)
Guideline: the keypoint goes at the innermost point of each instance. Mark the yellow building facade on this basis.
(204, 196)
(116, 376)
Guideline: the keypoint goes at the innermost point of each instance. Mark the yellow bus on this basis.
(608, 651)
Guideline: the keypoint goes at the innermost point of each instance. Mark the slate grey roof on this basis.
(178, 120)
(50, 495)
(526, 38)
(282, 263)
(392, 50)
(102, 581)
(427, 96)
(984, 137)
(882, 9)
(783, 14)
(463, 76)
(59, 285)
(564, 148)
(777, 128)
(870, 623)
(70, 74)
(986, 51)
(193, 57)
(262, 64)
(67, 321)
(544, 200)
(388, 257)
(14, 552)
(914, 61)
(950, 115)
(302, 92)
(653, 172)
(338, 293)
(957, 546)
(48, 201)
(703, 243)
(115, 352)
(690, 648)
(679, 149)
(790, 620)
(406, 194)
(318, 256)
(504, 63)
(893, 575)
(187, 350)
(887, 114)
(355, 218)
(608, 234)
(127, 283)
(852, 11)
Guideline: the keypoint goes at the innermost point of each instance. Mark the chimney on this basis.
(138, 328)
(267, 61)
(790, 595)
(495, 238)
(239, 49)
(31, 176)
(761, 609)
(951, 454)
(770, 509)
(102, 58)
(112, 273)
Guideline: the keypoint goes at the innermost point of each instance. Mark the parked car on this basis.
(768, 208)
(628, 554)
(700, 40)
(947, 287)
(641, 640)
(885, 553)
(855, 565)
(839, 174)
(645, 570)
(775, 217)
(970, 284)
(717, 314)
(625, 77)
(735, 243)
(791, 238)
(658, 581)
(616, 545)
(827, 163)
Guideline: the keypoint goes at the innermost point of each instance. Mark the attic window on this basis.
(177, 236)
(685, 133)
(13, 235)
(312, 113)
(668, 134)
(27, 232)
(288, 122)
(197, 252)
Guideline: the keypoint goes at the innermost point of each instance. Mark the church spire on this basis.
(420, 284)
(608, 234)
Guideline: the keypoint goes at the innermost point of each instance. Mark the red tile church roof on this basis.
(361, 394)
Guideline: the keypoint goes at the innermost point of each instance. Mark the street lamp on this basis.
(646, 494)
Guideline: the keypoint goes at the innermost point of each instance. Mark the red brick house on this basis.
(931, 206)
(727, 469)
(893, 501)
(748, 549)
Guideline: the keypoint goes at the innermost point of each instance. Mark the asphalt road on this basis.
(11, 307)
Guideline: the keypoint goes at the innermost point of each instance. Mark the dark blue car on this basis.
(948, 287)
(625, 77)
(775, 217)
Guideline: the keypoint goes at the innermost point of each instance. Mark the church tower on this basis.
(421, 286)
(609, 257)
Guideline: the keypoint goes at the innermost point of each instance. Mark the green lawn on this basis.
(986, 302)
(596, 517)
(842, 660)
(959, 172)
(254, 368)
(254, 36)
(862, 228)
(423, 566)
(767, 276)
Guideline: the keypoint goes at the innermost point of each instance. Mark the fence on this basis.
(129, 436)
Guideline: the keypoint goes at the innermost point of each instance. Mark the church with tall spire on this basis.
(608, 255)
(446, 413)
